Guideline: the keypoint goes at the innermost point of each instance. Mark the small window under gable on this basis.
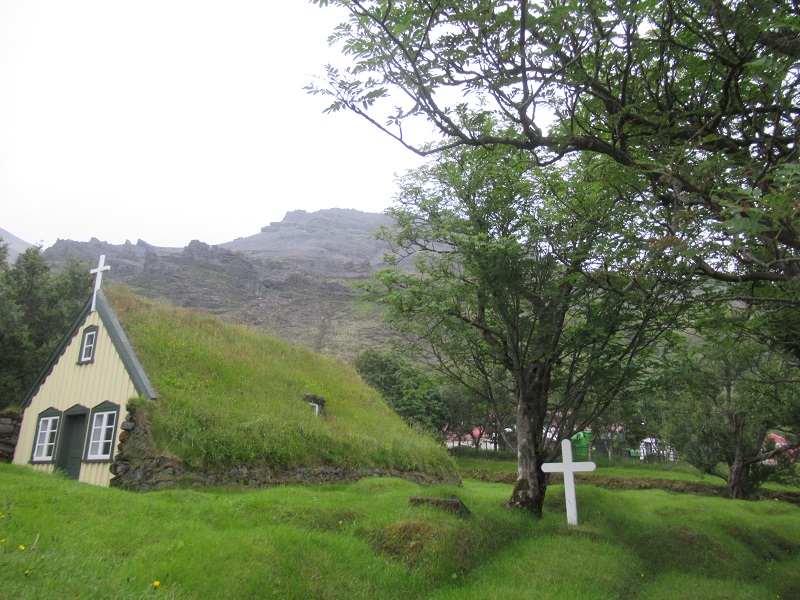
(44, 446)
(103, 429)
(88, 345)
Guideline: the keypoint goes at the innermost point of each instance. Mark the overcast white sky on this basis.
(173, 120)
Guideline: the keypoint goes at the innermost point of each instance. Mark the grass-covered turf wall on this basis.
(622, 473)
(63, 539)
(229, 396)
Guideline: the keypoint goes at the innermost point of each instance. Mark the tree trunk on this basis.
(738, 469)
(531, 485)
(739, 479)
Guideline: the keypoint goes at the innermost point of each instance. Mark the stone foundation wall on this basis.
(136, 467)
(10, 424)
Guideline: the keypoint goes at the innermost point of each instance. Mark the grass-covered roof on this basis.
(231, 396)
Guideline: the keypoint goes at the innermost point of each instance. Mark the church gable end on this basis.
(71, 418)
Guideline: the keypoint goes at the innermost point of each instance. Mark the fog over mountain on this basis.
(16, 246)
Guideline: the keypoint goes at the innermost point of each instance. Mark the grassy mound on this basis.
(623, 474)
(63, 539)
(229, 396)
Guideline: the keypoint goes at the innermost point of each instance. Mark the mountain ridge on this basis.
(293, 279)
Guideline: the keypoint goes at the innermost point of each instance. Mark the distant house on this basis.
(651, 449)
(73, 413)
(780, 443)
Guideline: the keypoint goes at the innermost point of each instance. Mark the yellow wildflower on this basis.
(156, 584)
(21, 547)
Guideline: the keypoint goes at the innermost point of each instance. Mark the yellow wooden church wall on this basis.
(88, 385)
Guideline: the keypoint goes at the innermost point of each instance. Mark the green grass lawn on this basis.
(63, 539)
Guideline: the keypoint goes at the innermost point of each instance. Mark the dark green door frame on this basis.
(72, 441)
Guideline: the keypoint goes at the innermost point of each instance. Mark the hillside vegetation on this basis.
(63, 539)
(230, 396)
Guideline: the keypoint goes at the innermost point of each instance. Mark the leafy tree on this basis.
(622, 427)
(422, 398)
(13, 337)
(722, 393)
(690, 105)
(36, 309)
(412, 392)
(697, 98)
(467, 412)
(516, 292)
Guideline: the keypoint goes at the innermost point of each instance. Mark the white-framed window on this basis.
(44, 447)
(100, 445)
(88, 345)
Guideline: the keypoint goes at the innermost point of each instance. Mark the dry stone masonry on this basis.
(10, 423)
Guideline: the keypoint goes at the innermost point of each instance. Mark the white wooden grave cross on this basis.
(98, 273)
(568, 467)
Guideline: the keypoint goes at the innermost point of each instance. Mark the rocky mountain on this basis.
(337, 242)
(293, 279)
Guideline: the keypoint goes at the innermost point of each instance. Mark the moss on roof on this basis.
(230, 396)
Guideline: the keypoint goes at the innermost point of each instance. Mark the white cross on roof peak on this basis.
(98, 273)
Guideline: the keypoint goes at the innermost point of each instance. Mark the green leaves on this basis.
(526, 280)
(36, 309)
(407, 388)
(721, 391)
(698, 101)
